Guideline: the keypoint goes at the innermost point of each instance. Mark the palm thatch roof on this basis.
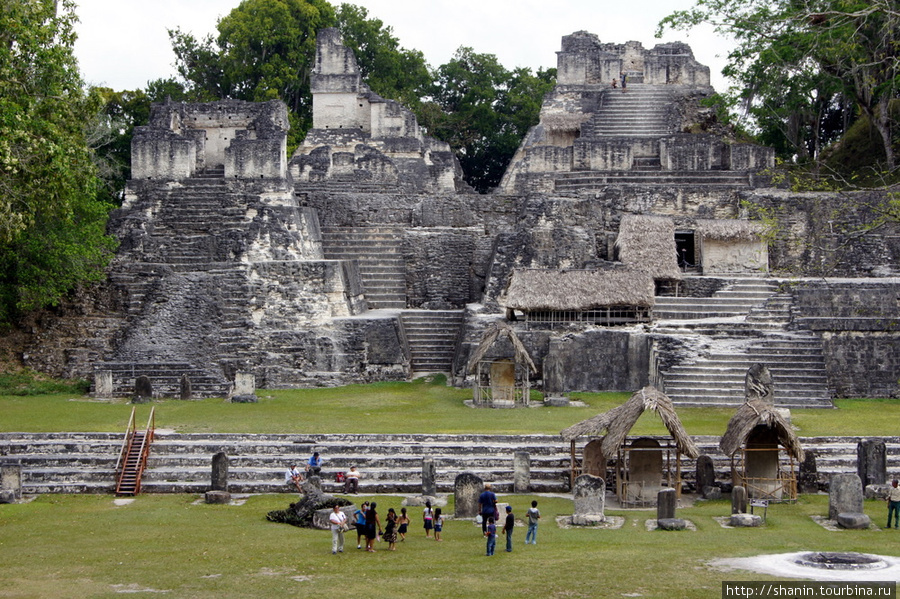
(491, 334)
(620, 420)
(552, 289)
(647, 243)
(730, 229)
(755, 413)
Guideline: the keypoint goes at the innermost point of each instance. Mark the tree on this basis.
(52, 227)
(265, 50)
(483, 111)
(389, 70)
(849, 45)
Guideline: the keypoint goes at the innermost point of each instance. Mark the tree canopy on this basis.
(52, 227)
(799, 61)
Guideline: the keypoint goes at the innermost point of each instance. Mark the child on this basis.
(438, 524)
(390, 530)
(403, 521)
(508, 527)
(533, 516)
(428, 517)
(490, 532)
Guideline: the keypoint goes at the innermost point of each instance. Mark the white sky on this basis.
(123, 44)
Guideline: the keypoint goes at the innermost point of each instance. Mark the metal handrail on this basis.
(145, 448)
(129, 432)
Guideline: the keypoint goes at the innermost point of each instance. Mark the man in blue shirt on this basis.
(314, 465)
(488, 504)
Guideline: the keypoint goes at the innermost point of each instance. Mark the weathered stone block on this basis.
(712, 493)
(219, 480)
(738, 500)
(521, 472)
(217, 497)
(853, 521)
(706, 474)
(589, 495)
(428, 477)
(671, 524)
(871, 461)
(745, 520)
(666, 501)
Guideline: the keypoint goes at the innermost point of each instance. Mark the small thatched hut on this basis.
(733, 247)
(755, 439)
(640, 462)
(647, 243)
(607, 297)
(501, 381)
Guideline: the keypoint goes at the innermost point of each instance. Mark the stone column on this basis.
(428, 486)
(103, 383)
(185, 391)
(521, 472)
(845, 495)
(589, 494)
(10, 484)
(808, 479)
(665, 504)
(466, 489)
(143, 389)
(219, 472)
(706, 474)
(871, 462)
(738, 500)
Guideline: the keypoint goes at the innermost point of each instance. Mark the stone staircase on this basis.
(378, 253)
(432, 338)
(737, 299)
(577, 180)
(741, 325)
(640, 111)
(795, 362)
(181, 463)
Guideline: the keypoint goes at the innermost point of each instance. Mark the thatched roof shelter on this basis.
(754, 413)
(491, 334)
(731, 230)
(552, 289)
(647, 243)
(620, 420)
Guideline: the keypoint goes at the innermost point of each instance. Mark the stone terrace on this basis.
(181, 463)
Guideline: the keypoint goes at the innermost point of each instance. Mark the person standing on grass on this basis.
(338, 519)
(508, 527)
(438, 524)
(893, 500)
(403, 524)
(533, 515)
(428, 519)
(390, 530)
(373, 524)
(488, 504)
(490, 531)
(361, 523)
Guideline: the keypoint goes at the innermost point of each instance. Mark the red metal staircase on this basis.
(133, 457)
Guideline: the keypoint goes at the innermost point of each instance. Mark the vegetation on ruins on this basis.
(52, 225)
(805, 68)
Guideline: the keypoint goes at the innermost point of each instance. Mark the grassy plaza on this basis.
(177, 546)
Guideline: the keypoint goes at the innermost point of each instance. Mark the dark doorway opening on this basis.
(686, 249)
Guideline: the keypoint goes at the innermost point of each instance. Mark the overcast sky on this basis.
(123, 44)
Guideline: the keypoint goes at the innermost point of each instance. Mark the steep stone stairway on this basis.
(432, 337)
(378, 253)
(740, 325)
(640, 111)
(180, 463)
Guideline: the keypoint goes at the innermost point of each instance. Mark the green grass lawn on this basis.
(85, 546)
(421, 406)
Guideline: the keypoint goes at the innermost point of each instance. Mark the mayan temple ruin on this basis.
(630, 242)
